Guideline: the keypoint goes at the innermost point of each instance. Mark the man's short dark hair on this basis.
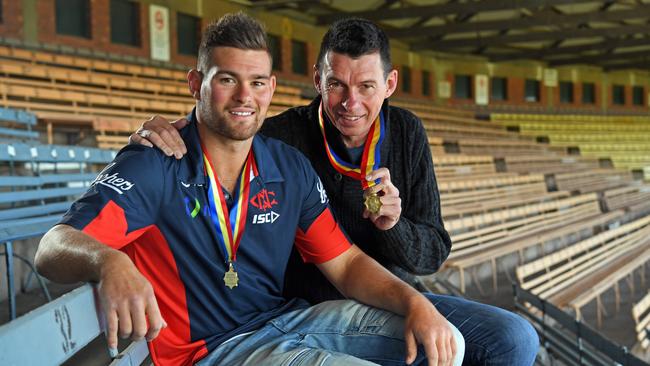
(355, 37)
(236, 30)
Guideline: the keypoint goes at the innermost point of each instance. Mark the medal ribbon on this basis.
(230, 223)
(370, 160)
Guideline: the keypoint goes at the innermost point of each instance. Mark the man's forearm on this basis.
(66, 255)
(363, 279)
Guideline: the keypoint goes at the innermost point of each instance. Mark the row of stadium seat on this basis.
(38, 184)
(621, 139)
(568, 117)
(578, 274)
(58, 88)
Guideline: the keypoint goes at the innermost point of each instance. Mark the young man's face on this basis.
(235, 92)
(353, 90)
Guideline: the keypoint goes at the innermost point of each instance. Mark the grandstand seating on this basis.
(594, 180)
(38, 184)
(48, 174)
(641, 314)
(457, 166)
(419, 108)
(546, 163)
(605, 280)
(484, 238)
(485, 194)
(60, 329)
(568, 340)
(579, 273)
(462, 133)
(60, 88)
(503, 147)
(113, 134)
(634, 198)
(17, 125)
(622, 139)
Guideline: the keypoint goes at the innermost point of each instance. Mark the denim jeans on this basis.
(341, 332)
(493, 336)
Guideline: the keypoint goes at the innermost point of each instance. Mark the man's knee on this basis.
(315, 356)
(521, 335)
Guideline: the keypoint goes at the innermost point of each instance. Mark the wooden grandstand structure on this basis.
(109, 97)
(525, 200)
(582, 272)
(641, 314)
(621, 139)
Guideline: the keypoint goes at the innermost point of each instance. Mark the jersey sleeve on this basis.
(123, 200)
(319, 237)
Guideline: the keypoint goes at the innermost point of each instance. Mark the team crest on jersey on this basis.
(112, 181)
(264, 200)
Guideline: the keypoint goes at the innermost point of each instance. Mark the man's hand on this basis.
(164, 135)
(425, 325)
(359, 277)
(391, 204)
(128, 302)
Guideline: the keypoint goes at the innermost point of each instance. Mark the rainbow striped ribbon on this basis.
(230, 223)
(371, 158)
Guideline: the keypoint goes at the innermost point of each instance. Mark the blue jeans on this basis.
(493, 336)
(341, 332)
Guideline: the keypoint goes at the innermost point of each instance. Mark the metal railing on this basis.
(567, 339)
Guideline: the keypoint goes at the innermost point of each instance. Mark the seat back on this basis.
(54, 332)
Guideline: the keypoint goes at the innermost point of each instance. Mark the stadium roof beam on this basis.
(545, 53)
(451, 44)
(443, 9)
(276, 4)
(603, 57)
(638, 64)
(498, 25)
(558, 32)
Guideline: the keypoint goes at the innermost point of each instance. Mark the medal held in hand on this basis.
(372, 202)
(230, 223)
(370, 160)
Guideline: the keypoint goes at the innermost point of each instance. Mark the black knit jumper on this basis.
(417, 244)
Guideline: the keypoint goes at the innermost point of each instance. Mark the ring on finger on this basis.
(145, 133)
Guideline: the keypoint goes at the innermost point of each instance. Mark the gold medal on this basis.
(372, 203)
(230, 278)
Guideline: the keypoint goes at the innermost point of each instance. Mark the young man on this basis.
(191, 253)
(354, 78)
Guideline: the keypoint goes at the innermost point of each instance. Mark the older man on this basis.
(375, 164)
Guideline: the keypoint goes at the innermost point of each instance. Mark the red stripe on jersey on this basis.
(323, 240)
(110, 226)
(150, 252)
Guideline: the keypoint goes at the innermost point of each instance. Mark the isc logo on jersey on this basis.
(265, 218)
(264, 200)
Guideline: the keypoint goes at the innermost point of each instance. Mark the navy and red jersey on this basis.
(156, 209)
